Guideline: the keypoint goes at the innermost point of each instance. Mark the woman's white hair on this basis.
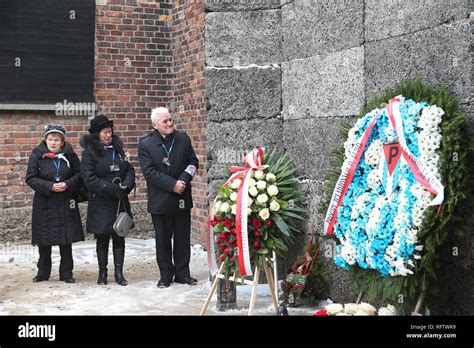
(158, 112)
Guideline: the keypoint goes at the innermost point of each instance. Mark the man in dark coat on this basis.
(54, 173)
(168, 163)
(109, 178)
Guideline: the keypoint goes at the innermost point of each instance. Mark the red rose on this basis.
(231, 243)
(321, 313)
(213, 223)
(227, 252)
(225, 236)
(256, 245)
(228, 223)
(219, 219)
(222, 246)
(232, 231)
(269, 223)
(256, 223)
(218, 239)
(232, 259)
(257, 233)
(222, 258)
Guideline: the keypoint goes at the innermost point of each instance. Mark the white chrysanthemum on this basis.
(233, 196)
(373, 179)
(373, 153)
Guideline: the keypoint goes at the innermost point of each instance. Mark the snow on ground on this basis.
(20, 296)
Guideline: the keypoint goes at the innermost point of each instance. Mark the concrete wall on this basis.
(287, 73)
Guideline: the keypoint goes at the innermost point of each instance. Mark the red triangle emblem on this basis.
(392, 153)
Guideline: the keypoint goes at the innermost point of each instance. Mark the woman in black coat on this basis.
(109, 178)
(54, 173)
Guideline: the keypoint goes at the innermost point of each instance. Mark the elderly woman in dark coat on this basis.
(54, 173)
(110, 178)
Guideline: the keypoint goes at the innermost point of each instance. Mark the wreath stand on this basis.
(272, 280)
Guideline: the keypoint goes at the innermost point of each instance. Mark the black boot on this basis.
(102, 257)
(119, 255)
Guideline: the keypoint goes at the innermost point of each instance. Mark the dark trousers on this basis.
(173, 260)
(44, 262)
(103, 241)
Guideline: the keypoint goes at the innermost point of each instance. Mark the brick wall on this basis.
(189, 96)
(147, 54)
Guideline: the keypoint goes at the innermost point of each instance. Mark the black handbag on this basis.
(123, 223)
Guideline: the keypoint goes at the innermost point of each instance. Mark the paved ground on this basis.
(19, 296)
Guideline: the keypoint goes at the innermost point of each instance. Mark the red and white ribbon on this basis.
(347, 173)
(210, 242)
(422, 174)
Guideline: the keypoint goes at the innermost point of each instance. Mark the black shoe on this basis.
(102, 279)
(40, 278)
(69, 280)
(119, 278)
(163, 283)
(186, 280)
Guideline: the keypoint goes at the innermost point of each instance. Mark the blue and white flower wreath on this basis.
(394, 179)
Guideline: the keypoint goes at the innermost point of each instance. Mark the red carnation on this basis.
(213, 222)
(228, 223)
(231, 243)
(219, 219)
(225, 236)
(232, 259)
(222, 246)
(256, 223)
(227, 252)
(218, 239)
(256, 245)
(222, 258)
(269, 223)
(321, 313)
(232, 231)
(257, 233)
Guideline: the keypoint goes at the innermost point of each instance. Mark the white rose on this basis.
(261, 185)
(262, 199)
(249, 202)
(233, 209)
(350, 308)
(367, 308)
(236, 184)
(270, 177)
(253, 191)
(249, 211)
(233, 196)
(259, 175)
(264, 214)
(252, 182)
(217, 206)
(389, 310)
(274, 206)
(272, 190)
(334, 308)
(225, 207)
